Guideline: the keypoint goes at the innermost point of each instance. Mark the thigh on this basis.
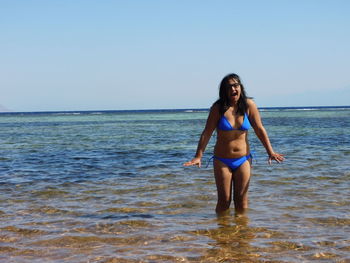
(223, 179)
(241, 178)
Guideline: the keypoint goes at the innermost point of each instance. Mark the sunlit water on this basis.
(110, 187)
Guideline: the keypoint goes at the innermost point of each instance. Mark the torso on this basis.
(232, 143)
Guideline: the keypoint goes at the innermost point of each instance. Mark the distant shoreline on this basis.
(169, 110)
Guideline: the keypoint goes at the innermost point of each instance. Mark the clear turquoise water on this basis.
(110, 187)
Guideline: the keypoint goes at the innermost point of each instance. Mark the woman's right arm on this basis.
(210, 126)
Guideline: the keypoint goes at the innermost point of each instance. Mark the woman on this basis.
(232, 115)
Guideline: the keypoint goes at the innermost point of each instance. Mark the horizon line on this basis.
(168, 109)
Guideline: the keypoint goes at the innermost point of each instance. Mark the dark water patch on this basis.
(23, 231)
(123, 210)
(125, 213)
(7, 249)
(302, 207)
(49, 210)
(71, 241)
(112, 216)
(331, 221)
(345, 249)
(50, 192)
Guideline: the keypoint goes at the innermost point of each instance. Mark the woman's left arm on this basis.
(255, 120)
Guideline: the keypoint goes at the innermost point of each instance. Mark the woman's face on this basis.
(233, 90)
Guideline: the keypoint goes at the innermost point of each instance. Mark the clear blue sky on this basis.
(113, 55)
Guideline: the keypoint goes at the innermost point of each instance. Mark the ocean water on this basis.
(110, 187)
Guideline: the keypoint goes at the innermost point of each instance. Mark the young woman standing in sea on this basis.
(232, 115)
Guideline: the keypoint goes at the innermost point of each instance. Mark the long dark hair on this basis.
(224, 100)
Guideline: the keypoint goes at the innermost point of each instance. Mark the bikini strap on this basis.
(253, 156)
(211, 158)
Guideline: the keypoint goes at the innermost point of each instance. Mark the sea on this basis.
(110, 186)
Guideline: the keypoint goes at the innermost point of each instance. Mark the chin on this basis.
(235, 99)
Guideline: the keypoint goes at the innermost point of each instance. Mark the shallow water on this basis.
(110, 187)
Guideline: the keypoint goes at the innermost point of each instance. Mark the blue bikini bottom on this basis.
(234, 163)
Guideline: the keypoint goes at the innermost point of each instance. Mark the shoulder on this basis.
(251, 106)
(215, 108)
(214, 113)
(251, 103)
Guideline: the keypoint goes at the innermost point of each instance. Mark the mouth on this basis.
(233, 94)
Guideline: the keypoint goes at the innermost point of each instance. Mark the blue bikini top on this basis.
(225, 125)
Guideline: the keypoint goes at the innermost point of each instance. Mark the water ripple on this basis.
(112, 188)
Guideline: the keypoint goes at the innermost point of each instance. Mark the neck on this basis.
(234, 105)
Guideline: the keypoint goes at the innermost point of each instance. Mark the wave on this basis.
(305, 108)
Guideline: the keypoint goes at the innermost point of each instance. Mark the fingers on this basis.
(190, 163)
(187, 164)
(277, 157)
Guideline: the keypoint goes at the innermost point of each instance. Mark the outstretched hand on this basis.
(195, 161)
(277, 157)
